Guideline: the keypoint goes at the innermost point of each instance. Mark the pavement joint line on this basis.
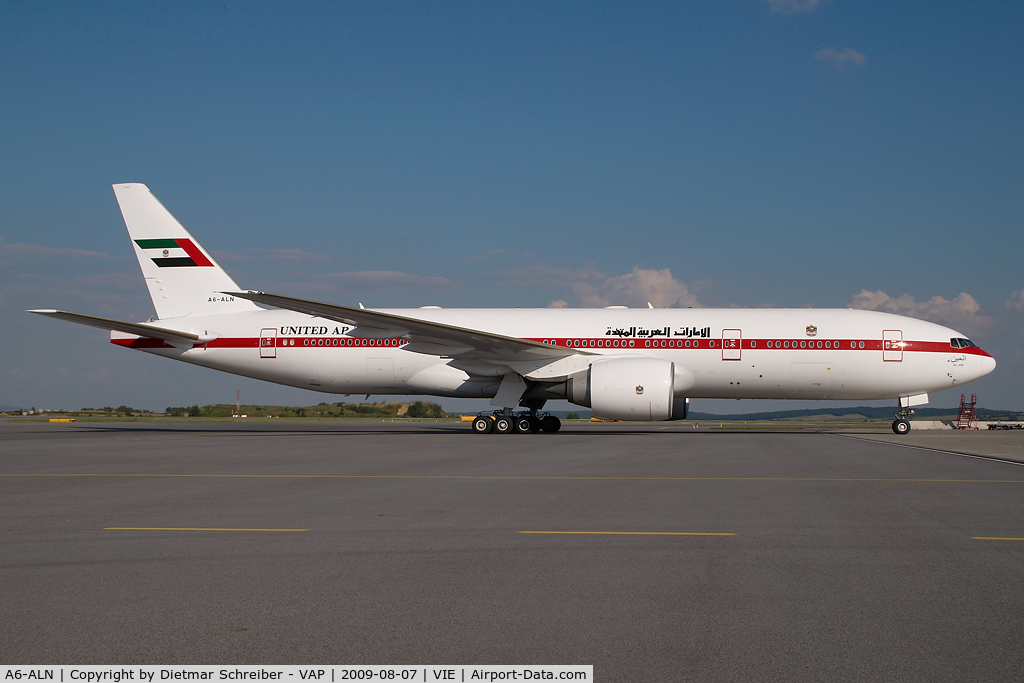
(995, 458)
(631, 533)
(995, 538)
(185, 528)
(509, 478)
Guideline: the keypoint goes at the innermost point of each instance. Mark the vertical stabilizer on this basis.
(183, 278)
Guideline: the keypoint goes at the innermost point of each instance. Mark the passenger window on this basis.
(786, 344)
(753, 344)
(861, 344)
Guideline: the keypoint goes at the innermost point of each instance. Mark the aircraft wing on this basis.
(141, 329)
(425, 336)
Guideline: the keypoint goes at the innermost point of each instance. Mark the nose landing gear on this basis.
(901, 425)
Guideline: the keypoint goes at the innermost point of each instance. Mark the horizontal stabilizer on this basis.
(141, 329)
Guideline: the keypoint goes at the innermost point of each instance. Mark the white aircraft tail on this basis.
(183, 278)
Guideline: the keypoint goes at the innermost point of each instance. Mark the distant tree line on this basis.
(415, 410)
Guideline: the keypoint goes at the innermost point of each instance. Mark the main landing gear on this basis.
(901, 425)
(521, 423)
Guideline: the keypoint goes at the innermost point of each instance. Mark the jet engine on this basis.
(626, 388)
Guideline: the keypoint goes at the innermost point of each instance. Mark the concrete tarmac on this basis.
(387, 543)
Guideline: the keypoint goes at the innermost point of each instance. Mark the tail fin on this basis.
(182, 277)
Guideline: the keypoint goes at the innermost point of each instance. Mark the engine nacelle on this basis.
(626, 388)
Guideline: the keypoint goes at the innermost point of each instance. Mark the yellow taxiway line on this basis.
(185, 528)
(995, 538)
(632, 533)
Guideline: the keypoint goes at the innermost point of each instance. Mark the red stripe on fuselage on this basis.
(575, 343)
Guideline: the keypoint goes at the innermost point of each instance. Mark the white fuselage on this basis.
(728, 353)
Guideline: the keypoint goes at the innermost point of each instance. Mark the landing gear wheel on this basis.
(483, 425)
(901, 426)
(534, 424)
(523, 425)
(503, 424)
(550, 424)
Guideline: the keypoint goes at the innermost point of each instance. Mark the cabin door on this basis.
(732, 344)
(892, 345)
(268, 342)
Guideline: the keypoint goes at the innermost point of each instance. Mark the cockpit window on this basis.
(960, 343)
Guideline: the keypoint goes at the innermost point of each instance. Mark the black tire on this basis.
(483, 425)
(523, 425)
(503, 425)
(550, 424)
(901, 427)
(534, 424)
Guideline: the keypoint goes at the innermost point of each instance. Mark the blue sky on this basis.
(798, 153)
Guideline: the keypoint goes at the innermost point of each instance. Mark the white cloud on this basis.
(384, 279)
(841, 59)
(1016, 300)
(40, 251)
(269, 255)
(291, 255)
(792, 6)
(636, 288)
(592, 289)
(960, 313)
(486, 256)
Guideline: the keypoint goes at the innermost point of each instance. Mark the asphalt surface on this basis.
(851, 559)
(1007, 444)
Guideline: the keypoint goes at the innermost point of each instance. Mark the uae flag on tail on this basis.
(174, 253)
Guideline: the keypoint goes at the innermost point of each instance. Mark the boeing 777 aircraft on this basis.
(623, 363)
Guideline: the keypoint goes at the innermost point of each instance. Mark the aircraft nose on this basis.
(988, 364)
